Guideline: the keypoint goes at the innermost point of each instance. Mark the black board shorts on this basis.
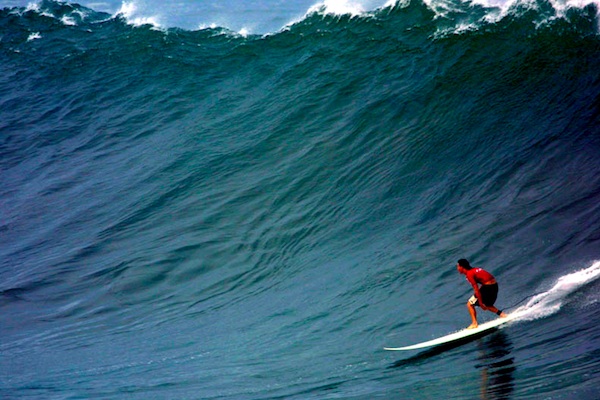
(489, 294)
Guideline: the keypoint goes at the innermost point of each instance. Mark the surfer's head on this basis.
(464, 264)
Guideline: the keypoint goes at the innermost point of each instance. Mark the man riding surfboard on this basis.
(485, 295)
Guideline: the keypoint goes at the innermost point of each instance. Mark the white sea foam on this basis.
(70, 21)
(550, 301)
(32, 7)
(353, 7)
(338, 7)
(33, 36)
(130, 11)
(202, 27)
(506, 6)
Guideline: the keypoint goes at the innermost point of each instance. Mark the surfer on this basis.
(485, 295)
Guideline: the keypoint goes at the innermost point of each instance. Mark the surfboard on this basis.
(462, 334)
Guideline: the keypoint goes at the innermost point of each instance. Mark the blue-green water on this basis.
(199, 214)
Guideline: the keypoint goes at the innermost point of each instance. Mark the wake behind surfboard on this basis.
(456, 336)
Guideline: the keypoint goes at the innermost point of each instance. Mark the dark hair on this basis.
(464, 263)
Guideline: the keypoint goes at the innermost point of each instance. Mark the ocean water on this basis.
(253, 209)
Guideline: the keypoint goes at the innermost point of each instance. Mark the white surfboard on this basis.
(462, 334)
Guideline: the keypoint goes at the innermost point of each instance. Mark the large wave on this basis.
(179, 203)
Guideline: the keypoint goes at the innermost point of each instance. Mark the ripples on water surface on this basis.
(204, 214)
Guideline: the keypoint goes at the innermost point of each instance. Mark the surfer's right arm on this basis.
(477, 292)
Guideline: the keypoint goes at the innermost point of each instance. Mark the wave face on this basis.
(207, 214)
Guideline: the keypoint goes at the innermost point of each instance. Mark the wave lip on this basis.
(451, 17)
(130, 12)
(337, 7)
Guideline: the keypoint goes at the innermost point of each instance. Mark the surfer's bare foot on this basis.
(472, 326)
(503, 315)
